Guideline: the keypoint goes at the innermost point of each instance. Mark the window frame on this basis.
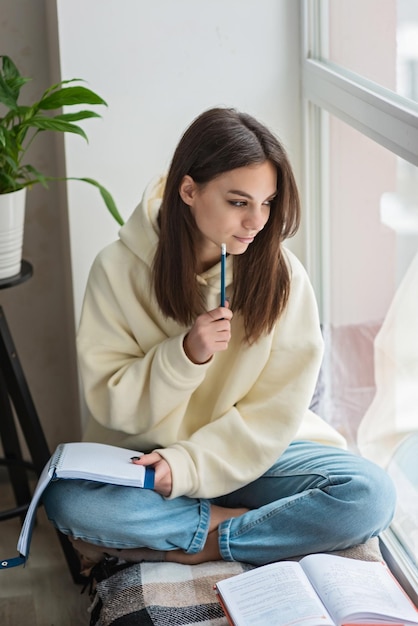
(379, 113)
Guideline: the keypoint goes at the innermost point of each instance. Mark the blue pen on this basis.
(223, 270)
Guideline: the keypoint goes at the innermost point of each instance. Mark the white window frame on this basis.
(378, 113)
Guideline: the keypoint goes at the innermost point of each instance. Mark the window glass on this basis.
(359, 270)
(377, 39)
(372, 241)
(365, 249)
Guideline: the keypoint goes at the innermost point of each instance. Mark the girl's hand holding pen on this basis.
(210, 333)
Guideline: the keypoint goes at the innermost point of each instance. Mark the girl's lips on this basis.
(245, 239)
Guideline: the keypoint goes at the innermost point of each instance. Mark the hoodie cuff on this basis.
(183, 472)
(175, 367)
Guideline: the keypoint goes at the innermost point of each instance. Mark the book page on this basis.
(102, 462)
(353, 589)
(27, 527)
(278, 594)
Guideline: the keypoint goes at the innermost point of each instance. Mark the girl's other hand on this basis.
(163, 483)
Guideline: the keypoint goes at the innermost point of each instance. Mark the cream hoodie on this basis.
(219, 425)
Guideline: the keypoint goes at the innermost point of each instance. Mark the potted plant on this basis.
(19, 126)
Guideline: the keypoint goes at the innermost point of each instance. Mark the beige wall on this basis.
(40, 311)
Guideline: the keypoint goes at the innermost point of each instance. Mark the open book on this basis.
(321, 589)
(91, 461)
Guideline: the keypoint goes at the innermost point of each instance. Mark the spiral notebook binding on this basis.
(56, 458)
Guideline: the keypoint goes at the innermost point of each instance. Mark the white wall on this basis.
(158, 64)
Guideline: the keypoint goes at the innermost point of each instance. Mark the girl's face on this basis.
(232, 208)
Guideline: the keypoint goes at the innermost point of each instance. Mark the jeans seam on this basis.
(199, 538)
(224, 531)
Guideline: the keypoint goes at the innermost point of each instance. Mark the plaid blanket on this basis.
(163, 594)
(170, 594)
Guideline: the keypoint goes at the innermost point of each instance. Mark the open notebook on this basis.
(90, 461)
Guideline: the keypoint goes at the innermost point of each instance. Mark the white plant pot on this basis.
(12, 220)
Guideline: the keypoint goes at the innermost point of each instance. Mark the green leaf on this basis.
(11, 145)
(11, 74)
(10, 82)
(9, 69)
(12, 117)
(69, 96)
(60, 84)
(74, 117)
(37, 174)
(9, 183)
(7, 97)
(13, 166)
(50, 123)
(108, 199)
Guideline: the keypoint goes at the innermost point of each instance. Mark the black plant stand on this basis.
(14, 390)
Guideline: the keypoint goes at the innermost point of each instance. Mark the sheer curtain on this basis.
(393, 412)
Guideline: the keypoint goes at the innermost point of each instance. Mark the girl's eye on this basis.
(269, 202)
(238, 203)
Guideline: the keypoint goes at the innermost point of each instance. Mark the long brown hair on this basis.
(220, 140)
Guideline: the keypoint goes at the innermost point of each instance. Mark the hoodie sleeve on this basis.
(135, 372)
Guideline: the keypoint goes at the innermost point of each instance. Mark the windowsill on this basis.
(400, 564)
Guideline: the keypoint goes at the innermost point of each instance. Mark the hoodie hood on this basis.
(141, 232)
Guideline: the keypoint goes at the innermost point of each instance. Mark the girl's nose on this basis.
(256, 219)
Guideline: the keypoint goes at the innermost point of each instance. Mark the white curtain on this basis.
(393, 413)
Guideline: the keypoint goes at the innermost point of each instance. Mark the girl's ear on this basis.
(187, 190)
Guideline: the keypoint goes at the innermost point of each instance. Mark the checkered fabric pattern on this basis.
(164, 594)
(170, 594)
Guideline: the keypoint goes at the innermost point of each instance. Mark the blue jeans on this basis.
(315, 498)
